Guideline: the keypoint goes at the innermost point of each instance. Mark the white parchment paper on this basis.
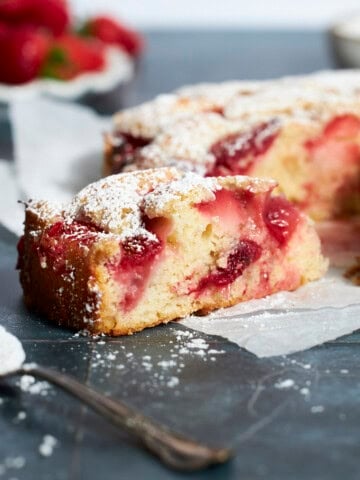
(58, 151)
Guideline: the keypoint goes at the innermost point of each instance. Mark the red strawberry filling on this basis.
(336, 145)
(241, 212)
(56, 240)
(244, 254)
(336, 155)
(138, 256)
(237, 153)
(124, 150)
(281, 218)
(233, 207)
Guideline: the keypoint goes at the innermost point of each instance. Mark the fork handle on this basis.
(174, 450)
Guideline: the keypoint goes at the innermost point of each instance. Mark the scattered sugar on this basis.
(288, 383)
(11, 463)
(184, 351)
(172, 382)
(317, 409)
(344, 371)
(198, 343)
(200, 353)
(12, 354)
(164, 368)
(15, 462)
(28, 384)
(20, 416)
(167, 363)
(47, 446)
(147, 365)
(304, 391)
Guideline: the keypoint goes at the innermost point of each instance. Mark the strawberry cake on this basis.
(138, 249)
(302, 131)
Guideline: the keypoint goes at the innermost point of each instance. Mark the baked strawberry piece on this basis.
(139, 249)
(139, 126)
(303, 132)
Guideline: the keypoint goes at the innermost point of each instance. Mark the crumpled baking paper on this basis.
(58, 151)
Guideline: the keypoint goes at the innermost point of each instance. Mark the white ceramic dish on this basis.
(345, 42)
(119, 69)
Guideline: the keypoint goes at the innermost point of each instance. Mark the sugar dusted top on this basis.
(299, 97)
(148, 119)
(115, 205)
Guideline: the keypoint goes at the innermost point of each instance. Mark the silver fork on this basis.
(174, 450)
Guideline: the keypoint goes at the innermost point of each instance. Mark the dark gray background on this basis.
(232, 401)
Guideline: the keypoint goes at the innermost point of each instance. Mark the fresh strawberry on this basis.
(114, 33)
(14, 10)
(70, 56)
(4, 30)
(22, 53)
(52, 15)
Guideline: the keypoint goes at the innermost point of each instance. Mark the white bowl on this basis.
(119, 69)
(345, 42)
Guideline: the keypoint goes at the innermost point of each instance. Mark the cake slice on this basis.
(138, 249)
(304, 132)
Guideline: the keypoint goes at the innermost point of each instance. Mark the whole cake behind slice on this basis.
(138, 249)
(302, 131)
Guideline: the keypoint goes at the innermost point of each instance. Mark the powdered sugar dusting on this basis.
(161, 369)
(114, 203)
(12, 354)
(28, 384)
(183, 125)
(117, 204)
(188, 140)
(47, 446)
(148, 119)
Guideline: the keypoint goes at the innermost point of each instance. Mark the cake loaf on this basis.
(302, 131)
